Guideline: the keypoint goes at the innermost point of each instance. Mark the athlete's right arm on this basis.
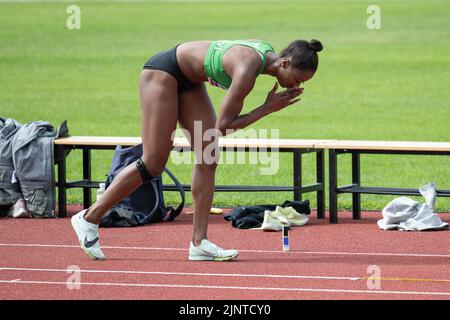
(233, 102)
(243, 82)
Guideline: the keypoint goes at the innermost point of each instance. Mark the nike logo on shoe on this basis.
(90, 244)
(210, 253)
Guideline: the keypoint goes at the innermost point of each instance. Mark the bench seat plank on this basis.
(388, 191)
(386, 145)
(183, 142)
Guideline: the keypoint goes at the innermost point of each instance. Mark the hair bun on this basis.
(315, 45)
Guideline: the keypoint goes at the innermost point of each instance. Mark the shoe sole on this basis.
(204, 258)
(294, 224)
(90, 255)
(298, 223)
(72, 221)
(271, 227)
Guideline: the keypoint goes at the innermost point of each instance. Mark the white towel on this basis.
(406, 214)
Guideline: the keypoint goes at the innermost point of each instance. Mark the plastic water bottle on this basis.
(285, 238)
(100, 191)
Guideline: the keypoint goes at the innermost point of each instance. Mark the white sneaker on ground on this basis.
(273, 222)
(88, 236)
(293, 217)
(208, 251)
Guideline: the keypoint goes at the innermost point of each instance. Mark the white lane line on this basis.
(236, 275)
(251, 251)
(110, 284)
(186, 274)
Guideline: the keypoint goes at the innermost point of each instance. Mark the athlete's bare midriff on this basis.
(191, 57)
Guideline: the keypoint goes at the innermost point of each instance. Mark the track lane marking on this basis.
(243, 275)
(250, 251)
(109, 284)
(237, 275)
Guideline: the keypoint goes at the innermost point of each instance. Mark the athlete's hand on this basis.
(277, 101)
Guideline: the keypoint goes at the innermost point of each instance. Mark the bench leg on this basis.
(320, 164)
(356, 179)
(333, 186)
(87, 199)
(62, 197)
(297, 175)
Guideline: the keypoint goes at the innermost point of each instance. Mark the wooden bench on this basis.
(356, 148)
(297, 147)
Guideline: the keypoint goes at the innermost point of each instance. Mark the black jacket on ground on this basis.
(253, 216)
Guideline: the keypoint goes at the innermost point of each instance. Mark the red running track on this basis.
(350, 260)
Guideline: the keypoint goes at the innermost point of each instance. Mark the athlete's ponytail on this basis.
(304, 54)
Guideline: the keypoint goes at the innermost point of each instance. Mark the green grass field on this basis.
(388, 84)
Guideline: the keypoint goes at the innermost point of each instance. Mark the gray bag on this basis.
(9, 191)
(33, 158)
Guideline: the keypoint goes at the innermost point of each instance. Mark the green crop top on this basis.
(213, 59)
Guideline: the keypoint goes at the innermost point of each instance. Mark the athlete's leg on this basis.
(195, 106)
(159, 113)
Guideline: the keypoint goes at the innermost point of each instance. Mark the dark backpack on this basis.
(146, 204)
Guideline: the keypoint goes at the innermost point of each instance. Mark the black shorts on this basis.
(167, 61)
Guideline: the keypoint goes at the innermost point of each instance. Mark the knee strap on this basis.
(146, 176)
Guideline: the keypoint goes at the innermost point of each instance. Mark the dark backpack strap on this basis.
(175, 212)
(148, 216)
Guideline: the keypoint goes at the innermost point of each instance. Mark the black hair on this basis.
(304, 54)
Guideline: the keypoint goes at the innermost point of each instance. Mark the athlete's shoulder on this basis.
(250, 61)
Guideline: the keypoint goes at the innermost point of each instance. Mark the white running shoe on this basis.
(88, 236)
(208, 251)
(293, 217)
(273, 222)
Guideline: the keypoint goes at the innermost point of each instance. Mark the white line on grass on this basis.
(250, 251)
(109, 284)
